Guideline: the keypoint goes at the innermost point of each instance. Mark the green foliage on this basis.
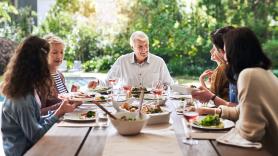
(99, 64)
(271, 49)
(178, 30)
(17, 24)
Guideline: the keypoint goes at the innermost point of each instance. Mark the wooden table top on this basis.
(91, 141)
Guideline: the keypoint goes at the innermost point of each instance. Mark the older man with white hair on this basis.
(139, 68)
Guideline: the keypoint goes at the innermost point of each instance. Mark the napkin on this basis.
(234, 138)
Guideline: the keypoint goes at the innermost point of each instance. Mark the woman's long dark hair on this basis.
(28, 70)
(243, 50)
(216, 36)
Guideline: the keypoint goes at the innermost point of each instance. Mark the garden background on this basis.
(178, 29)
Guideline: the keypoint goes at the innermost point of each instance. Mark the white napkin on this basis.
(234, 138)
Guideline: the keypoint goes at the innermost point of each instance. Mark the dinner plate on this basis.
(180, 97)
(76, 116)
(76, 96)
(102, 100)
(153, 97)
(100, 89)
(183, 89)
(228, 124)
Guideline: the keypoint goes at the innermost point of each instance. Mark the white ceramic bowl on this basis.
(129, 127)
(159, 118)
(183, 89)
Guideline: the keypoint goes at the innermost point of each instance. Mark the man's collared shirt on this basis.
(127, 70)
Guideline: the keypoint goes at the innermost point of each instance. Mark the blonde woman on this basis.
(55, 58)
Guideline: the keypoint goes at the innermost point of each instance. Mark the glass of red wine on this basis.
(190, 113)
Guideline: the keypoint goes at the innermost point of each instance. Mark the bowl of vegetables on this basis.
(156, 113)
(129, 123)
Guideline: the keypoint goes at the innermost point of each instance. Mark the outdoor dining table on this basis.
(85, 141)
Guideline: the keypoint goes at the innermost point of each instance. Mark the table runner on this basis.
(153, 140)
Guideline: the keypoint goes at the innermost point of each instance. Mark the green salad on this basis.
(211, 121)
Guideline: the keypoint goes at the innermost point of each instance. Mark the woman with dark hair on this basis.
(219, 84)
(257, 112)
(25, 87)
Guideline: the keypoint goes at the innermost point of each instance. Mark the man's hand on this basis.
(93, 84)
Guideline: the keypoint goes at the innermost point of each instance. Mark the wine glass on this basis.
(113, 76)
(157, 89)
(127, 88)
(191, 114)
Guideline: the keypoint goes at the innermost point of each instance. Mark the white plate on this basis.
(76, 116)
(153, 97)
(210, 104)
(104, 100)
(228, 124)
(75, 96)
(183, 89)
(180, 97)
(100, 89)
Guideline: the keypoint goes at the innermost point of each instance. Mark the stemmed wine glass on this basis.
(127, 88)
(191, 114)
(157, 89)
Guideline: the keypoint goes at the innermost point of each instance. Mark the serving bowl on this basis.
(159, 118)
(129, 127)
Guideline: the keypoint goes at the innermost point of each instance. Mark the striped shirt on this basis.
(61, 88)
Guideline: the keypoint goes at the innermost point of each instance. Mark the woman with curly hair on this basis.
(26, 85)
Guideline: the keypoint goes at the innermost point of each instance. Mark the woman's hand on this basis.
(206, 73)
(75, 103)
(203, 95)
(65, 107)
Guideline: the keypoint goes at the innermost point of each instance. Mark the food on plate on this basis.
(128, 118)
(147, 109)
(81, 95)
(102, 90)
(136, 90)
(128, 107)
(151, 109)
(211, 121)
(88, 114)
(100, 98)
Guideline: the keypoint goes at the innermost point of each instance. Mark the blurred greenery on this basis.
(178, 29)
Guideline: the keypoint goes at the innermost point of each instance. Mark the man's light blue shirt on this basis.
(129, 71)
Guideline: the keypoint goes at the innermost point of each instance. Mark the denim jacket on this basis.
(22, 126)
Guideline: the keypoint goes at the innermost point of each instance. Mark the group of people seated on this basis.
(242, 85)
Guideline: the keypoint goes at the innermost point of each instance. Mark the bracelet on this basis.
(213, 97)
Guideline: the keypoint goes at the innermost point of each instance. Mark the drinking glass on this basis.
(127, 88)
(190, 115)
(157, 89)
